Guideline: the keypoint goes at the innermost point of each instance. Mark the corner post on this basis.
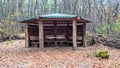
(26, 35)
(41, 35)
(74, 34)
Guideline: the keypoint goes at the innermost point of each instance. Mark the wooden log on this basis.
(26, 35)
(41, 35)
(74, 34)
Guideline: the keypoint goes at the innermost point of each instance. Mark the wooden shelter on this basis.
(55, 28)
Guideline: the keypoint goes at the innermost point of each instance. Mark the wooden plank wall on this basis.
(49, 30)
(33, 30)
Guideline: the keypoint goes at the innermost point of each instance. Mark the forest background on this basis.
(104, 14)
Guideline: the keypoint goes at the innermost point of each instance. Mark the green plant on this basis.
(103, 54)
(97, 54)
(117, 26)
(105, 29)
(98, 30)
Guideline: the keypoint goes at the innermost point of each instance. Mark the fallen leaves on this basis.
(63, 57)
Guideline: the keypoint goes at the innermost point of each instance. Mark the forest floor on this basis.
(14, 54)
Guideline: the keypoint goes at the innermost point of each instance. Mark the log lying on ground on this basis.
(109, 41)
(4, 37)
(14, 37)
(94, 39)
(113, 42)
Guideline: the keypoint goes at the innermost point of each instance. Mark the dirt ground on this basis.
(14, 54)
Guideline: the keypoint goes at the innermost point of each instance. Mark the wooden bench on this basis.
(53, 37)
(34, 41)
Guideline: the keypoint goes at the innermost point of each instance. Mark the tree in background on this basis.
(101, 12)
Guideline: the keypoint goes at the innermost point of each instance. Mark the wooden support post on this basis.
(26, 35)
(41, 35)
(74, 34)
(84, 33)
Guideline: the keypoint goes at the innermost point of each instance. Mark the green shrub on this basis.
(103, 54)
(97, 54)
(105, 29)
(117, 26)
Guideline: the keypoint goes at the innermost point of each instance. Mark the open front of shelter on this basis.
(55, 28)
